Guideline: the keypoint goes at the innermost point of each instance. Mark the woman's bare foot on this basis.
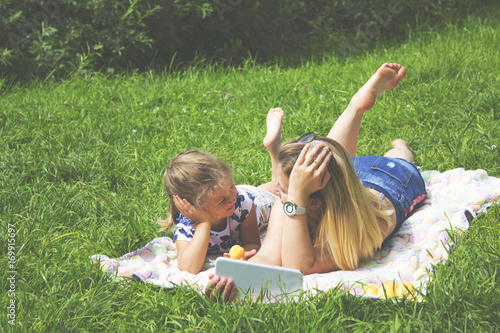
(401, 149)
(345, 130)
(386, 78)
(272, 140)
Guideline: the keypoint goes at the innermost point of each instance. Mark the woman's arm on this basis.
(270, 251)
(298, 251)
(296, 246)
(308, 176)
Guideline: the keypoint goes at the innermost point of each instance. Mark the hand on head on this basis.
(190, 211)
(310, 172)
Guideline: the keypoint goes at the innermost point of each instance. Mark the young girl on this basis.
(209, 212)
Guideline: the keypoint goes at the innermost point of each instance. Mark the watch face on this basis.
(289, 208)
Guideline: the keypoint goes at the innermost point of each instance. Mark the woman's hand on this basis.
(220, 289)
(191, 212)
(310, 172)
(248, 254)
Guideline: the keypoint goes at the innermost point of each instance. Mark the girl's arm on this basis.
(249, 234)
(191, 254)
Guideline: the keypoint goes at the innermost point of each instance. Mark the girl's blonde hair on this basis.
(192, 175)
(348, 230)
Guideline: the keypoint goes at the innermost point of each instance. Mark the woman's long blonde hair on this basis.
(192, 175)
(348, 230)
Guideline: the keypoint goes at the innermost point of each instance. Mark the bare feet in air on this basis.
(272, 140)
(386, 78)
(401, 149)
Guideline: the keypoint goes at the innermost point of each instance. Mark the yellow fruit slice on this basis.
(390, 288)
(237, 252)
(370, 288)
(405, 288)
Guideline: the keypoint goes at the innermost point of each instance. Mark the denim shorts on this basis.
(399, 180)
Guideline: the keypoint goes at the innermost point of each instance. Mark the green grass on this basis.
(81, 164)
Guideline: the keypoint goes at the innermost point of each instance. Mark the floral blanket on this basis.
(453, 197)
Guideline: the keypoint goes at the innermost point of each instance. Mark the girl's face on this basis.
(221, 203)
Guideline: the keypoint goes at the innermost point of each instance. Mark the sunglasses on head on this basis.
(309, 137)
(306, 138)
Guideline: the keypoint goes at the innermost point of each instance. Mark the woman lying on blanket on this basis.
(325, 220)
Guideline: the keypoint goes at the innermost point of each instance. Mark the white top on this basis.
(220, 241)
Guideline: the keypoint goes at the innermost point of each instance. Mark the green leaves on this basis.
(47, 38)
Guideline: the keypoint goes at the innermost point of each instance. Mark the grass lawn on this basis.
(81, 164)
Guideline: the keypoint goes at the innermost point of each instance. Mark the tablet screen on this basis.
(261, 280)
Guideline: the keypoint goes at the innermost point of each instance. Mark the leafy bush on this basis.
(44, 38)
(59, 36)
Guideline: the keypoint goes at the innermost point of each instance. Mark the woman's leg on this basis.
(401, 149)
(346, 128)
(272, 142)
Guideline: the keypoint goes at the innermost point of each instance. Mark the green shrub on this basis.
(59, 36)
(44, 38)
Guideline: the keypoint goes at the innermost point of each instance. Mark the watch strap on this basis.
(300, 210)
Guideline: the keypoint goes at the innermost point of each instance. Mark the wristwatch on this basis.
(291, 209)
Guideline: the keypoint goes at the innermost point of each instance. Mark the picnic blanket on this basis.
(409, 256)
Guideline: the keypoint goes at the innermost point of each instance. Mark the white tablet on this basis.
(272, 283)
